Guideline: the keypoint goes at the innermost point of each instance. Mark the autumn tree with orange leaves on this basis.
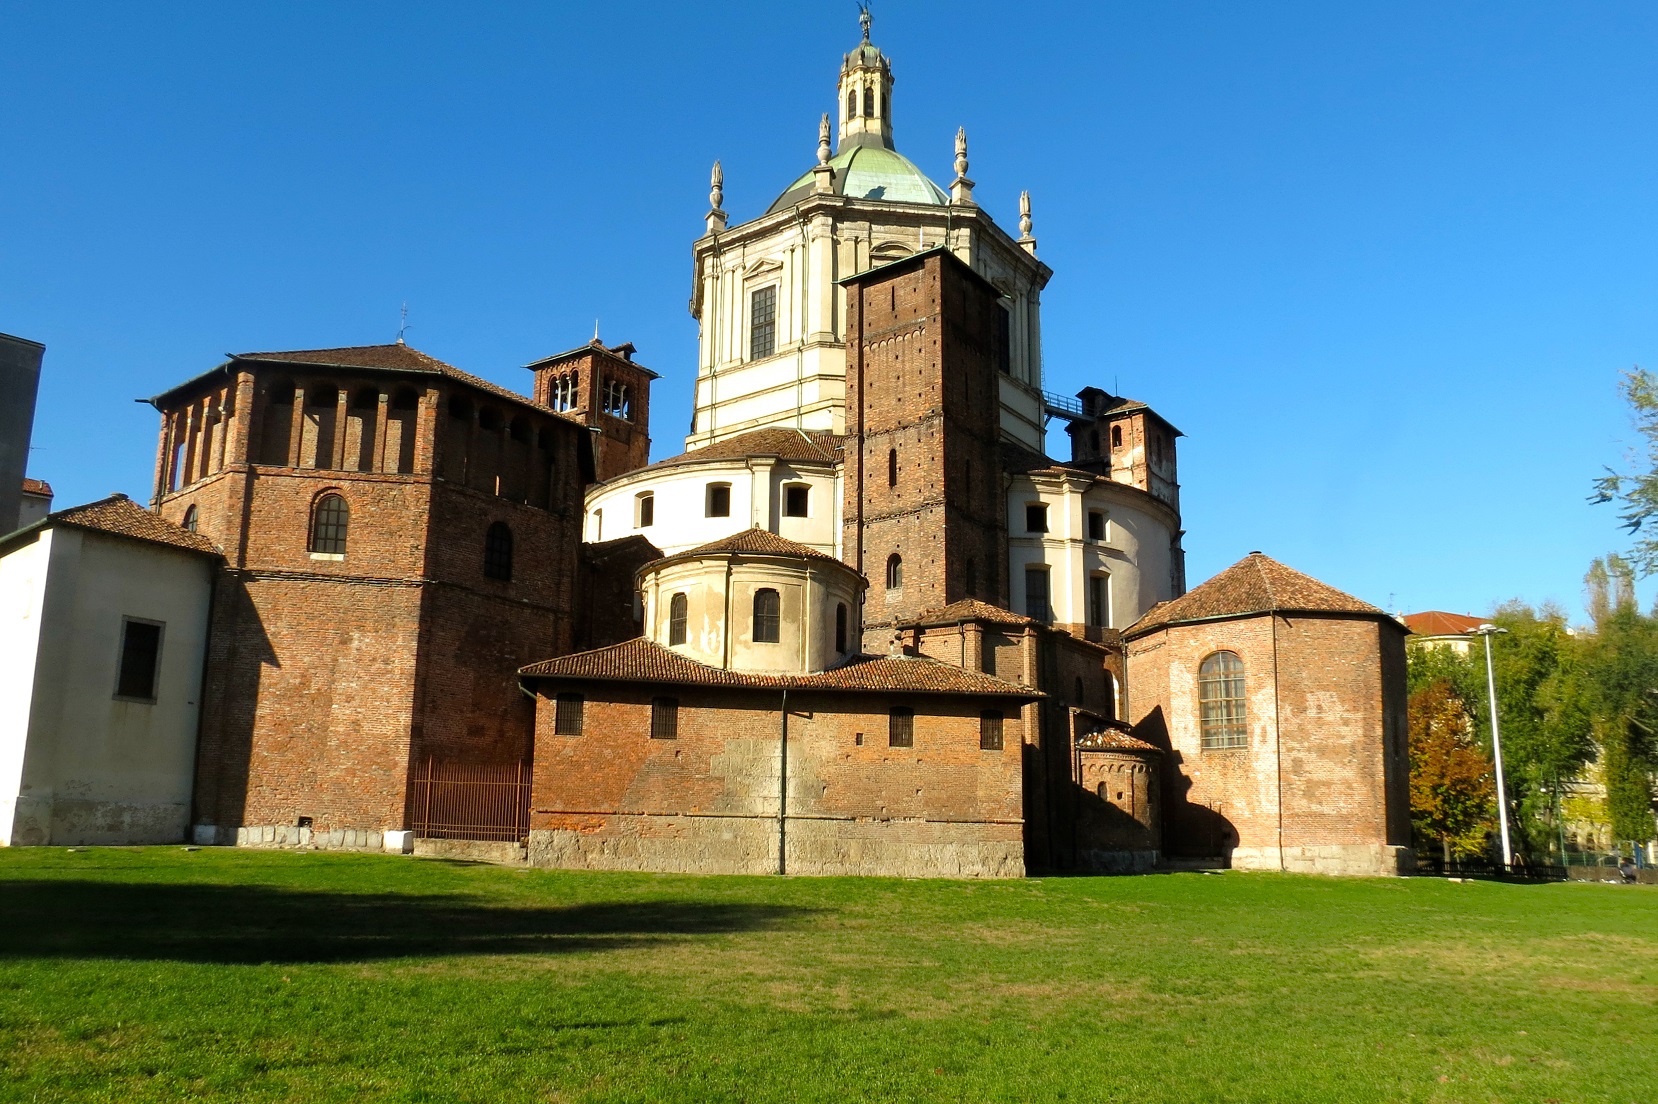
(1452, 793)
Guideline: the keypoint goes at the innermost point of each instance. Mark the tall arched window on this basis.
(840, 627)
(768, 611)
(330, 518)
(498, 552)
(1220, 691)
(851, 102)
(892, 467)
(869, 101)
(678, 613)
(895, 571)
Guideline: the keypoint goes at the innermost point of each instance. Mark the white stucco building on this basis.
(103, 630)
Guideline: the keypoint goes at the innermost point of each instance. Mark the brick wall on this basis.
(922, 377)
(708, 801)
(624, 444)
(1320, 785)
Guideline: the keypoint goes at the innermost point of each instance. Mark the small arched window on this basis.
(768, 610)
(840, 627)
(892, 467)
(678, 613)
(1223, 717)
(1116, 437)
(498, 552)
(330, 518)
(895, 571)
(191, 516)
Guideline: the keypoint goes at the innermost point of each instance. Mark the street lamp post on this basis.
(1487, 632)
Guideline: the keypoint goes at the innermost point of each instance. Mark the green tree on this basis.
(1621, 670)
(1636, 491)
(1452, 792)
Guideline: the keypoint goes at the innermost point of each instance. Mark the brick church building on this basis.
(862, 623)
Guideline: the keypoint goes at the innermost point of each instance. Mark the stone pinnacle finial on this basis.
(961, 188)
(716, 196)
(1026, 242)
(823, 140)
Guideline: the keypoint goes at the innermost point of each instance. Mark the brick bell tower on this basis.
(603, 388)
(923, 512)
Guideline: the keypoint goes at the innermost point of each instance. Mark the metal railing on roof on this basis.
(1066, 406)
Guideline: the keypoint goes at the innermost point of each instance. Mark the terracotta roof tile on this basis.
(642, 660)
(969, 609)
(37, 487)
(395, 357)
(1112, 739)
(758, 542)
(122, 516)
(1440, 623)
(786, 444)
(1255, 584)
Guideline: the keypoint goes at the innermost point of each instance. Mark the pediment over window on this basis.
(761, 268)
(889, 251)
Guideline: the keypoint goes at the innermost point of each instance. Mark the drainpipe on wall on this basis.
(783, 786)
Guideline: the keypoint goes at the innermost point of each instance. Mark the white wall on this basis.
(22, 596)
(97, 769)
(680, 514)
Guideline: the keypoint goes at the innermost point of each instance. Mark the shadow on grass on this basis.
(258, 924)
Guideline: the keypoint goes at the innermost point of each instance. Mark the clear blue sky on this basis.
(1382, 263)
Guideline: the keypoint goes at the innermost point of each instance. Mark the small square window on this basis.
(647, 511)
(1096, 525)
(1036, 518)
(719, 500)
(140, 659)
(796, 497)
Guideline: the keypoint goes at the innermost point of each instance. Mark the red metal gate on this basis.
(471, 801)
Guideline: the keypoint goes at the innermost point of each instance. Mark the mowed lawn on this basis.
(168, 975)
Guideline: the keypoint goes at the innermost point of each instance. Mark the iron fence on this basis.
(471, 801)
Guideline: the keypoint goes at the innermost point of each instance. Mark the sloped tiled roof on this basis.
(37, 487)
(1255, 584)
(123, 517)
(786, 444)
(1113, 739)
(758, 542)
(395, 357)
(1440, 623)
(968, 609)
(642, 660)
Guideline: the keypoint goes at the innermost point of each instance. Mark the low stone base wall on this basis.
(63, 820)
(1347, 860)
(470, 850)
(749, 845)
(1117, 862)
(286, 835)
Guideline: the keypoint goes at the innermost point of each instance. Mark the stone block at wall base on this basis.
(288, 835)
(1344, 860)
(204, 835)
(749, 845)
(398, 843)
(493, 851)
(1117, 862)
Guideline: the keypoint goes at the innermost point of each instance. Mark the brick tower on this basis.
(601, 387)
(926, 346)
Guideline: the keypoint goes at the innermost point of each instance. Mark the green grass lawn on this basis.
(165, 975)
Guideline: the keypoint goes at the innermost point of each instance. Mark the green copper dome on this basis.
(870, 172)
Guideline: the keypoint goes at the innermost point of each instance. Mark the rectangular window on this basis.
(762, 323)
(567, 710)
(1036, 518)
(795, 500)
(1096, 525)
(1099, 601)
(664, 718)
(647, 511)
(990, 730)
(900, 727)
(719, 500)
(140, 656)
(1036, 594)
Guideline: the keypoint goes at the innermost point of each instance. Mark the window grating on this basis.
(719, 500)
(1036, 594)
(990, 730)
(762, 323)
(1220, 682)
(767, 616)
(567, 714)
(329, 520)
(498, 552)
(678, 613)
(901, 727)
(664, 718)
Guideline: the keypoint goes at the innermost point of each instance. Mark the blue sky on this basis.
(1382, 263)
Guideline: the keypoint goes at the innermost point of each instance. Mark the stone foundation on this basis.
(748, 845)
(1117, 862)
(1349, 860)
(286, 835)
